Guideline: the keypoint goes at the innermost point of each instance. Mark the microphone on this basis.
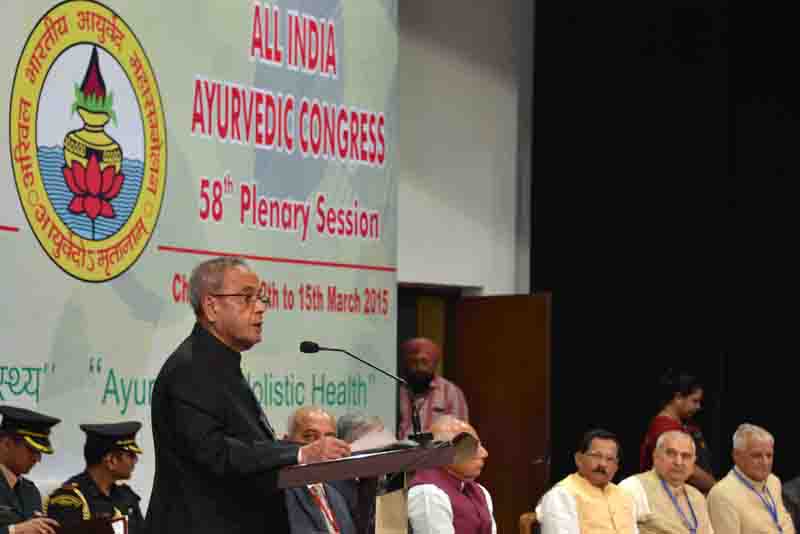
(311, 347)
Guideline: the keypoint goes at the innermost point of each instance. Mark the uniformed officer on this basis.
(111, 454)
(24, 436)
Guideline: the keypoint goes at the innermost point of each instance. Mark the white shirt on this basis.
(430, 512)
(557, 513)
(640, 503)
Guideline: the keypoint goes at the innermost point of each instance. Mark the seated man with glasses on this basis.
(587, 502)
(748, 500)
(665, 503)
(317, 507)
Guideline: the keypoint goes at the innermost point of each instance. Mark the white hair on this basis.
(661, 442)
(209, 277)
(353, 426)
(747, 431)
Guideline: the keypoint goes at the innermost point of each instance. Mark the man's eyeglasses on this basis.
(597, 456)
(248, 298)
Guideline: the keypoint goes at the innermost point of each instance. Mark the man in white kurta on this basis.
(664, 503)
(587, 502)
(748, 500)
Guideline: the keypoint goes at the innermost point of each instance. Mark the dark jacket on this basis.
(791, 500)
(80, 498)
(216, 454)
(360, 496)
(18, 504)
(306, 517)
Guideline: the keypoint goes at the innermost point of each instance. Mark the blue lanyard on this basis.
(772, 508)
(692, 528)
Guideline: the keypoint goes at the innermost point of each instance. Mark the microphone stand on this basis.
(418, 435)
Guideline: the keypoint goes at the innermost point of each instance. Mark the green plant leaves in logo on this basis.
(94, 103)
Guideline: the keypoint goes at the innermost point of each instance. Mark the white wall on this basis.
(461, 218)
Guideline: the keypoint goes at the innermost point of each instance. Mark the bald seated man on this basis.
(664, 502)
(748, 500)
(434, 395)
(446, 500)
(317, 507)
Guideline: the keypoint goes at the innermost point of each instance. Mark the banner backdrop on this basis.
(144, 137)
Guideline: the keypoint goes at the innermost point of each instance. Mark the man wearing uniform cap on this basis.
(24, 436)
(111, 455)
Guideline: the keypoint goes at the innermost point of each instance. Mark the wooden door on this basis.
(502, 362)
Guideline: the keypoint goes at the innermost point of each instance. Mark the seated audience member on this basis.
(447, 500)
(681, 397)
(587, 502)
(791, 500)
(748, 500)
(24, 436)
(354, 426)
(111, 454)
(360, 494)
(317, 507)
(664, 503)
(433, 395)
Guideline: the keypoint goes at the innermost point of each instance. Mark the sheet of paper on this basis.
(373, 440)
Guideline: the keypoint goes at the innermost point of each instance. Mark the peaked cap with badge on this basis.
(22, 501)
(33, 427)
(104, 438)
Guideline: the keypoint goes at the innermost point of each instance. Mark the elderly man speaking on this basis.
(748, 500)
(217, 455)
(665, 503)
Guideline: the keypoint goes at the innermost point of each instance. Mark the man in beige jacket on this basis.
(664, 502)
(748, 500)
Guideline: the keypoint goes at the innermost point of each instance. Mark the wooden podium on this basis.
(391, 513)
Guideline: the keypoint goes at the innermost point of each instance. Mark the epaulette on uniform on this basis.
(68, 496)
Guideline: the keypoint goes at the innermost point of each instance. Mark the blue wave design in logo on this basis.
(51, 163)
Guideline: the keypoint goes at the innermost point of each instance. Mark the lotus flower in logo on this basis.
(93, 188)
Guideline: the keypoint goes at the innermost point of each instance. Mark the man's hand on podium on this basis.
(35, 525)
(325, 448)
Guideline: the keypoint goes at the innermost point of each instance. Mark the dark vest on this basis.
(470, 510)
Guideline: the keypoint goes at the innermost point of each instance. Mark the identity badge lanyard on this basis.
(770, 504)
(691, 525)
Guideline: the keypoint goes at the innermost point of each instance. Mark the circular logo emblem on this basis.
(88, 140)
